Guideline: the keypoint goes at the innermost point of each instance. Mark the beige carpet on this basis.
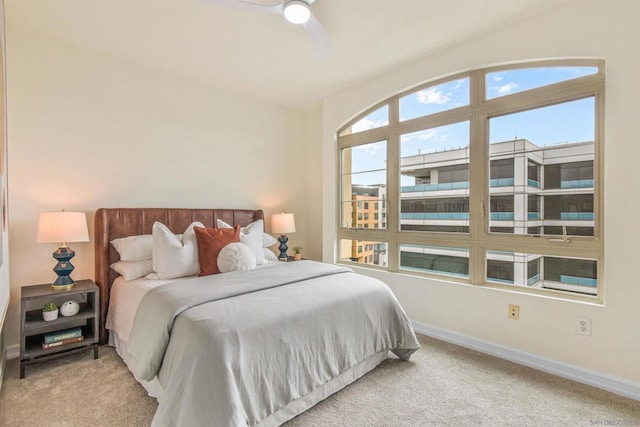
(443, 385)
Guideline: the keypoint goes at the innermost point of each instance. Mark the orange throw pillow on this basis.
(210, 243)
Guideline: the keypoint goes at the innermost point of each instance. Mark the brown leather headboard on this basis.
(122, 222)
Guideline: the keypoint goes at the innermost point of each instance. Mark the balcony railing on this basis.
(495, 216)
(577, 216)
(580, 183)
(435, 215)
(434, 271)
(501, 216)
(575, 280)
(496, 280)
(501, 182)
(462, 185)
(533, 280)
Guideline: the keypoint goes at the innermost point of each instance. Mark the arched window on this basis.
(490, 177)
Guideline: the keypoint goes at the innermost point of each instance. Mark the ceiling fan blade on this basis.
(244, 5)
(319, 37)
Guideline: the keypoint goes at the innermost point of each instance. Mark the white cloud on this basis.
(407, 137)
(497, 78)
(432, 96)
(427, 135)
(372, 149)
(505, 89)
(366, 124)
(457, 84)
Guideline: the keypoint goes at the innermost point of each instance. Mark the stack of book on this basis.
(58, 338)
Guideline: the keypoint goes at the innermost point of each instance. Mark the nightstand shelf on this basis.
(34, 327)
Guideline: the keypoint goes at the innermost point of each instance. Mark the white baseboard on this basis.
(615, 385)
(596, 379)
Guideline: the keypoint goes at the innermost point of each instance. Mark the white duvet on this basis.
(258, 347)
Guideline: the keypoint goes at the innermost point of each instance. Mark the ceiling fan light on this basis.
(297, 12)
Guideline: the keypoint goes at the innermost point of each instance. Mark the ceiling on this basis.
(260, 54)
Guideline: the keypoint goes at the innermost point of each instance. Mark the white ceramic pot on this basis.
(50, 315)
(70, 308)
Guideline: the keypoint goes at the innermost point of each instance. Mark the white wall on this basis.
(546, 327)
(314, 179)
(88, 131)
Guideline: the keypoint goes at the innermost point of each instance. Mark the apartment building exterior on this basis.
(368, 210)
(533, 190)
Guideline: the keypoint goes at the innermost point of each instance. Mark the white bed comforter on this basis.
(237, 349)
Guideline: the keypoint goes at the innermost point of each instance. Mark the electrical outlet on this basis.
(583, 326)
(514, 312)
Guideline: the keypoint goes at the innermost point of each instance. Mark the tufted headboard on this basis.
(122, 222)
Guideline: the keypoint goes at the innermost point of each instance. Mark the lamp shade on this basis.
(62, 227)
(283, 223)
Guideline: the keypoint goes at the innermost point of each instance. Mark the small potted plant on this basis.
(297, 255)
(50, 311)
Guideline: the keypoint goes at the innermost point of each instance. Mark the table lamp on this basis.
(63, 227)
(283, 223)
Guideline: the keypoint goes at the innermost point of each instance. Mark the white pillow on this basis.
(268, 240)
(269, 256)
(251, 235)
(131, 270)
(134, 248)
(236, 256)
(174, 255)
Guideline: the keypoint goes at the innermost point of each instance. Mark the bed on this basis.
(254, 347)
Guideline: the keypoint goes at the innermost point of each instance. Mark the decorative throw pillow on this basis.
(235, 257)
(134, 248)
(173, 255)
(210, 242)
(268, 240)
(251, 235)
(269, 256)
(131, 270)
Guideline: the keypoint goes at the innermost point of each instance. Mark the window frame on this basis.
(479, 240)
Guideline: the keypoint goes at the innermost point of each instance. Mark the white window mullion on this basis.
(477, 168)
(393, 180)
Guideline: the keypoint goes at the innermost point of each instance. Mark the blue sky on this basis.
(558, 124)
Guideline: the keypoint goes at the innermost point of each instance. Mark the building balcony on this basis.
(463, 185)
(576, 216)
(436, 215)
(501, 216)
(570, 287)
(502, 281)
(533, 183)
(581, 183)
(533, 280)
(582, 281)
(501, 182)
(496, 216)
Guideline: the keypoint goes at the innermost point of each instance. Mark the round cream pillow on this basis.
(236, 256)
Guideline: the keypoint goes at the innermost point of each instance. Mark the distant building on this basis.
(368, 210)
(532, 190)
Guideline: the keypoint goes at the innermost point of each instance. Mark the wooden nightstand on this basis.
(33, 327)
